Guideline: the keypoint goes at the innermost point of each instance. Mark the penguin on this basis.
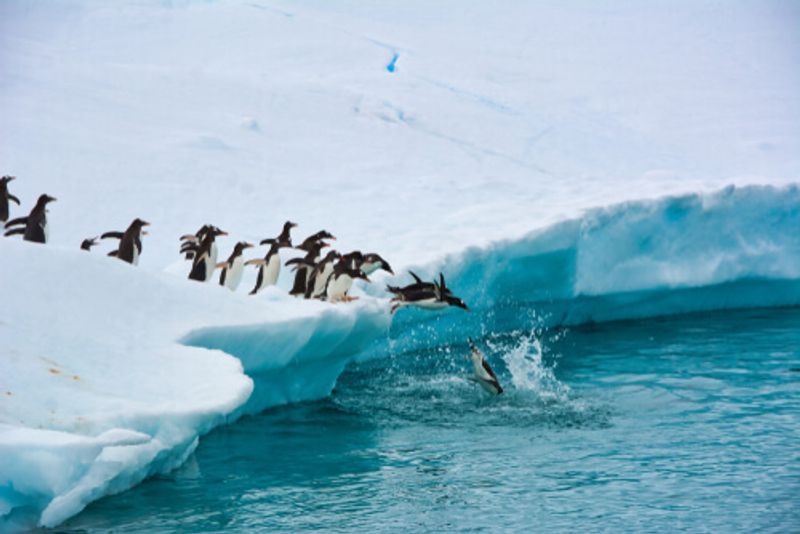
(318, 278)
(204, 257)
(6, 197)
(371, 262)
(312, 245)
(35, 228)
(88, 243)
(270, 266)
(284, 237)
(191, 242)
(484, 375)
(130, 241)
(340, 282)
(421, 295)
(232, 269)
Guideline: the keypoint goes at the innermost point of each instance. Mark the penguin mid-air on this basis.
(130, 241)
(35, 224)
(421, 295)
(270, 266)
(88, 243)
(340, 282)
(6, 197)
(372, 262)
(484, 375)
(232, 269)
(205, 255)
(318, 279)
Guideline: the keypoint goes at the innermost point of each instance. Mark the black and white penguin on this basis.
(285, 237)
(205, 253)
(421, 295)
(35, 224)
(191, 242)
(130, 241)
(371, 262)
(484, 375)
(318, 279)
(232, 269)
(340, 282)
(312, 245)
(88, 243)
(270, 266)
(6, 197)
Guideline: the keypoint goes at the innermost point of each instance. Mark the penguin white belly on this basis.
(322, 279)
(234, 274)
(338, 288)
(483, 377)
(135, 256)
(46, 231)
(369, 267)
(272, 271)
(429, 304)
(211, 262)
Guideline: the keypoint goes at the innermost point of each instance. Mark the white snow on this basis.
(408, 128)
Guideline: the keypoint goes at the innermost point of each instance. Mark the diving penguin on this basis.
(435, 296)
(6, 197)
(35, 224)
(232, 269)
(484, 375)
(130, 241)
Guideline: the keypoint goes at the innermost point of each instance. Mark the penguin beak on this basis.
(145, 233)
(248, 245)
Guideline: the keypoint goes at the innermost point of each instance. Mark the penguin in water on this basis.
(88, 243)
(205, 254)
(318, 278)
(130, 241)
(35, 224)
(484, 375)
(232, 269)
(6, 197)
(269, 267)
(340, 282)
(422, 295)
(372, 262)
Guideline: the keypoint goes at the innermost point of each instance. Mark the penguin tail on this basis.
(113, 253)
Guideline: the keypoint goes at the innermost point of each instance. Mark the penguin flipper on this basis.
(112, 235)
(18, 220)
(15, 231)
(12, 198)
(417, 279)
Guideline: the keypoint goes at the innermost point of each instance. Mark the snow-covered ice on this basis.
(594, 160)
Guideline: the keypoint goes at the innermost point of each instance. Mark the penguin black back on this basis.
(6, 197)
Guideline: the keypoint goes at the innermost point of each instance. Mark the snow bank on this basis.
(96, 392)
(735, 248)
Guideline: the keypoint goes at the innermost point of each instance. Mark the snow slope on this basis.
(510, 144)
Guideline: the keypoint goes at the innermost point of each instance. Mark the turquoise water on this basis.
(688, 423)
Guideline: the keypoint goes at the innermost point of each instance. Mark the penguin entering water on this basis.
(35, 224)
(318, 279)
(6, 197)
(425, 295)
(130, 241)
(340, 282)
(205, 255)
(484, 375)
(232, 269)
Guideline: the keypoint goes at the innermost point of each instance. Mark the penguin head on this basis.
(44, 200)
(288, 225)
(455, 301)
(216, 232)
(375, 258)
(240, 246)
(6, 179)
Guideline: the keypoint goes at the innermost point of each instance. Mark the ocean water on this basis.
(689, 423)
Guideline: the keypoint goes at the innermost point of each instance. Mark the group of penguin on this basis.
(327, 278)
